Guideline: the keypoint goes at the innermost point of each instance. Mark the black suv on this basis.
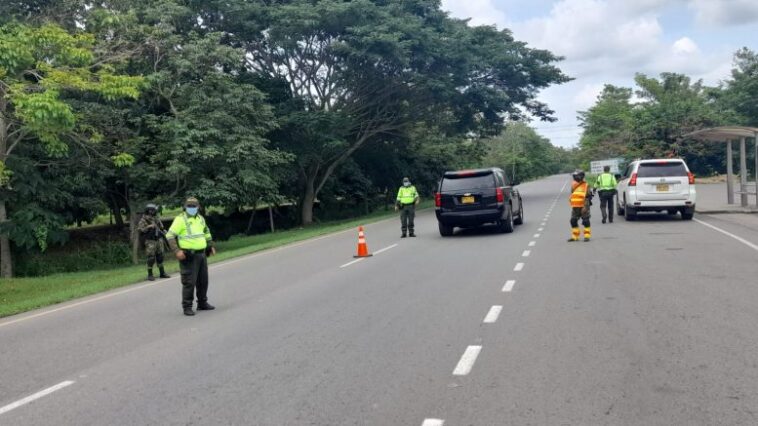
(469, 198)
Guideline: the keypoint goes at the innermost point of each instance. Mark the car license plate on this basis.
(468, 200)
(662, 188)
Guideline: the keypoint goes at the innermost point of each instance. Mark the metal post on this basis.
(271, 218)
(729, 173)
(743, 173)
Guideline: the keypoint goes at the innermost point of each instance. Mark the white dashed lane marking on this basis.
(433, 422)
(35, 396)
(508, 287)
(519, 266)
(493, 314)
(526, 253)
(532, 243)
(467, 361)
(536, 235)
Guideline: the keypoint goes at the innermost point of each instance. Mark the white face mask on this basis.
(406, 184)
(192, 211)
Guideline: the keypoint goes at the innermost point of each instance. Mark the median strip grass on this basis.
(19, 295)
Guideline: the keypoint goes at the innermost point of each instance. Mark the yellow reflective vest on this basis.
(407, 195)
(190, 232)
(578, 194)
(606, 182)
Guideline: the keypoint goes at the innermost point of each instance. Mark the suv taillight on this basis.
(437, 199)
(633, 180)
(692, 178)
(500, 195)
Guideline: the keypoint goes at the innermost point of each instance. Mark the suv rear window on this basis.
(667, 169)
(468, 182)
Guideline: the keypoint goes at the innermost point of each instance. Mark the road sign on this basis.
(596, 167)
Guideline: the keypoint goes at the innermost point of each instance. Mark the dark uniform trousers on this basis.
(194, 270)
(580, 213)
(606, 203)
(407, 217)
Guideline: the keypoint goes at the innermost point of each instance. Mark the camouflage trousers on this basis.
(154, 250)
(580, 213)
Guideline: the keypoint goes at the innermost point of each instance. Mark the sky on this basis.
(608, 41)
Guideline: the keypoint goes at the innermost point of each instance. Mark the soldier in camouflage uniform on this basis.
(151, 229)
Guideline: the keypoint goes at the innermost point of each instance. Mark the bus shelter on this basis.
(727, 135)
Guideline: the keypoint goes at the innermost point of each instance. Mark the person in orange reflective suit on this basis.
(580, 200)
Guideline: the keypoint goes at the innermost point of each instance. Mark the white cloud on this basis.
(608, 41)
(684, 46)
(725, 12)
(481, 12)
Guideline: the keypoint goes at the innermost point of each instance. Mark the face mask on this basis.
(192, 211)
(406, 184)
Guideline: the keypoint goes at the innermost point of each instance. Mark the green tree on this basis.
(348, 73)
(522, 153)
(740, 93)
(608, 125)
(38, 64)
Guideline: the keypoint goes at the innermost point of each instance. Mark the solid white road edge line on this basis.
(385, 249)
(353, 262)
(493, 314)
(729, 234)
(526, 253)
(532, 243)
(375, 253)
(508, 286)
(36, 396)
(433, 422)
(519, 266)
(467, 361)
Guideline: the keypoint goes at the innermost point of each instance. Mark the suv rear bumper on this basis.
(469, 218)
(643, 206)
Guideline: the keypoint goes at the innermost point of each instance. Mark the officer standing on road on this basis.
(151, 230)
(581, 200)
(407, 199)
(191, 241)
(606, 188)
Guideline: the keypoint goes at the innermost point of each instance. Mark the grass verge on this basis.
(19, 295)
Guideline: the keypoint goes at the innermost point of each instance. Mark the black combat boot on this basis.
(412, 234)
(205, 306)
(163, 272)
(189, 312)
(150, 276)
(403, 236)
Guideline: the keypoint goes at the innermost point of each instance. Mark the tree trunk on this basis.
(252, 218)
(6, 262)
(117, 213)
(309, 197)
(134, 232)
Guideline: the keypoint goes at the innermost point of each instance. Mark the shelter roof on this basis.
(723, 134)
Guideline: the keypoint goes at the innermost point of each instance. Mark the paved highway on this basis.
(651, 323)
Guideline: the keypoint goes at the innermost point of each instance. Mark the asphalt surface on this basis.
(651, 323)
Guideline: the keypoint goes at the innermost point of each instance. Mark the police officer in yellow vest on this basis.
(407, 199)
(581, 200)
(191, 241)
(606, 189)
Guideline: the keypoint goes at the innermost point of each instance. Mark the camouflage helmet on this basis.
(191, 201)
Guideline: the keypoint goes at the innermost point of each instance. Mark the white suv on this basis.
(657, 185)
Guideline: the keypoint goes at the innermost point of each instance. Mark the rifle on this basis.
(160, 233)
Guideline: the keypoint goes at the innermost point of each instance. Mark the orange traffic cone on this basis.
(362, 246)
